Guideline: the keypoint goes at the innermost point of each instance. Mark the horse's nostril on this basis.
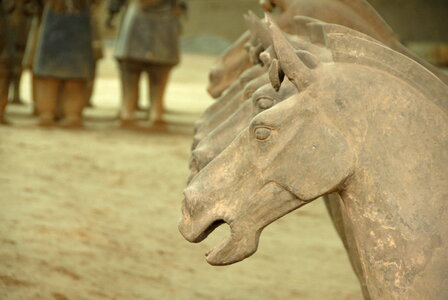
(186, 210)
(195, 159)
(196, 141)
(213, 74)
(192, 164)
(188, 201)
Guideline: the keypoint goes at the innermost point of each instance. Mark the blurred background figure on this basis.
(19, 22)
(64, 62)
(97, 45)
(148, 41)
(31, 43)
(6, 7)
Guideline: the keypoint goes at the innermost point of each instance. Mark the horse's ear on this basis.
(293, 67)
(301, 25)
(276, 74)
(249, 24)
(266, 56)
(308, 59)
(254, 53)
(316, 32)
(261, 30)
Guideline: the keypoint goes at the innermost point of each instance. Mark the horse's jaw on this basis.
(246, 223)
(242, 243)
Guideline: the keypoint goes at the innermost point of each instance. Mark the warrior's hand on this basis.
(267, 5)
(110, 21)
(182, 8)
(270, 5)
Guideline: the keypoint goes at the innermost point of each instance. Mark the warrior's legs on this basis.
(4, 86)
(130, 78)
(158, 79)
(15, 86)
(33, 94)
(90, 86)
(73, 101)
(46, 93)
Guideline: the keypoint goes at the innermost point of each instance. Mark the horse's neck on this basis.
(402, 247)
(369, 14)
(395, 201)
(236, 49)
(352, 49)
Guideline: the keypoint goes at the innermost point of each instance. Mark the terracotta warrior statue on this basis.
(19, 25)
(97, 45)
(148, 41)
(63, 62)
(5, 57)
(30, 49)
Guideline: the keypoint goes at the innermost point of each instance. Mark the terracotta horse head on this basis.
(371, 126)
(355, 14)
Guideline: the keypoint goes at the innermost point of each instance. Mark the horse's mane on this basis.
(317, 30)
(369, 14)
(349, 48)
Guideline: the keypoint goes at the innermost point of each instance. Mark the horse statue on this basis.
(355, 14)
(267, 96)
(372, 127)
(256, 76)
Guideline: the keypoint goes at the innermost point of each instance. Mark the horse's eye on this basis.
(262, 133)
(265, 103)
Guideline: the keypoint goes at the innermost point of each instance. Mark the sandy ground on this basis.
(92, 214)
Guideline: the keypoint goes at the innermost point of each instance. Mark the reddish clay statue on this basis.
(97, 45)
(5, 58)
(266, 97)
(355, 14)
(370, 126)
(19, 25)
(64, 62)
(148, 41)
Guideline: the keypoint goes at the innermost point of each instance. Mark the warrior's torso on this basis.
(149, 32)
(64, 47)
(68, 6)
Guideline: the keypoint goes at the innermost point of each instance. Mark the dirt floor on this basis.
(92, 213)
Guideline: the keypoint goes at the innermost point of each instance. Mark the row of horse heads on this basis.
(326, 111)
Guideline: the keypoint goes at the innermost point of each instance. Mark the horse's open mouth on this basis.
(239, 245)
(196, 231)
(208, 230)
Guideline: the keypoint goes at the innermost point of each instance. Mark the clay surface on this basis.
(339, 132)
(355, 14)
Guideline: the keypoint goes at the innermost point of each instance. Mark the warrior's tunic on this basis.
(149, 33)
(64, 47)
